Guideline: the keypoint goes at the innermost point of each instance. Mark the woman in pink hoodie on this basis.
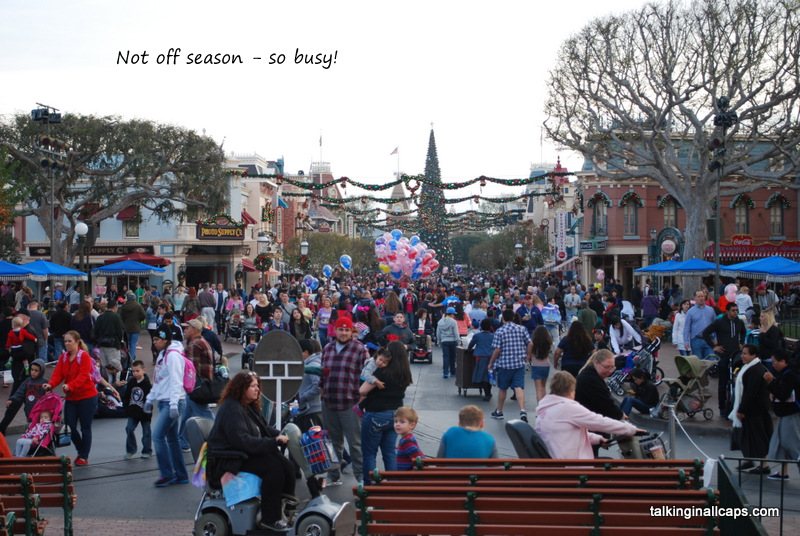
(564, 424)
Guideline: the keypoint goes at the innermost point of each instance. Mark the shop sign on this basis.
(220, 228)
(743, 246)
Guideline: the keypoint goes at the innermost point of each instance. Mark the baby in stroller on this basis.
(46, 413)
(34, 435)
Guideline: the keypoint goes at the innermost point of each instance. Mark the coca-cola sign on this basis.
(668, 247)
(741, 240)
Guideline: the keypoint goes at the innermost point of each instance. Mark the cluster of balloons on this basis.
(311, 282)
(400, 256)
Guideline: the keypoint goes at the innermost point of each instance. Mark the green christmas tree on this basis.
(433, 215)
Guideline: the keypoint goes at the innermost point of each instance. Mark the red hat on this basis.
(344, 322)
(761, 287)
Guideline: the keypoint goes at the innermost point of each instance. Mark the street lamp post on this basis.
(304, 255)
(81, 230)
(263, 249)
(518, 262)
(725, 119)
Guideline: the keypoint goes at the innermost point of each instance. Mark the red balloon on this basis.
(434, 264)
(392, 256)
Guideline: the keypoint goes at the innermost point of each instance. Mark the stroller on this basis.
(233, 328)
(248, 359)
(54, 404)
(686, 393)
(644, 359)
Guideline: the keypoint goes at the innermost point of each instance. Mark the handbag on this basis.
(208, 391)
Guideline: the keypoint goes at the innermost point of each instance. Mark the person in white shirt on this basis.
(621, 333)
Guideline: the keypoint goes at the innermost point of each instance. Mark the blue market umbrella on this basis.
(787, 274)
(661, 268)
(44, 270)
(133, 268)
(695, 267)
(13, 272)
(759, 268)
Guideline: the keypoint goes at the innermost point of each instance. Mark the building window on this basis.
(671, 213)
(742, 219)
(776, 220)
(631, 219)
(599, 219)
(131, 228)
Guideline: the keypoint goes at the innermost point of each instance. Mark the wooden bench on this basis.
(7, 519)
(19, 496)
(51, 487)
(507, 497)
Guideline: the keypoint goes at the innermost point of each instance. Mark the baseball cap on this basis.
(450, 311)
(344, 322)
(761, 287)
(193, 323)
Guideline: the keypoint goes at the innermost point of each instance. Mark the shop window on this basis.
(742, 212)
(671, 213)
(131, 228)
(776, 220)
(631, 218)
(599, 219)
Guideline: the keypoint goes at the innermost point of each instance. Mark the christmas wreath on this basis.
(262, 263)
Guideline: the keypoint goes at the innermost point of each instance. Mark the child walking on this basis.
(34, 434)
(405, 420)
(133, 403)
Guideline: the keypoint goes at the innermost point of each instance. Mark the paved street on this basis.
(116, 497)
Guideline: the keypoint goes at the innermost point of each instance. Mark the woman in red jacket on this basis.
(74, 368)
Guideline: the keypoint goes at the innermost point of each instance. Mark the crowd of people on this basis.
(356, 335)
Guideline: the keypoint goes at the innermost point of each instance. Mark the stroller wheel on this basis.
(708, 413)
(619, 391)
(658, 376)
(681, 415)
(691, 414)
(713, 371)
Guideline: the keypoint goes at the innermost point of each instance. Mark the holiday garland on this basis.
(220, 215)
(267, 214)
(666, 199)
(631, 197)
(262, 263)
(778, 197)
(598, 197)
(743, 198)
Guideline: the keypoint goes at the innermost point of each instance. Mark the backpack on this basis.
(189, 372)
(551, 314)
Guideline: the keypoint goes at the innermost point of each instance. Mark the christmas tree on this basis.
(432, 213)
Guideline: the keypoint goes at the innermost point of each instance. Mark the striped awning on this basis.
(128, 213)
(567, 266)
(248, 265)
(248, 219)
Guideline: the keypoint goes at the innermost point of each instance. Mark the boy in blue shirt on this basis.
(482, 344)
(468, 440)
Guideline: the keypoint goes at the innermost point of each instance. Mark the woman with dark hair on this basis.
(298, 325)
(463, 320)
(250, 319)
(391, 306)
(540, 358)
(575, 348)
(377, 425)
(83, 322)
(240, 426)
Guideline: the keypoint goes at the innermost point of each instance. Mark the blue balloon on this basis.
(380, 241)
(417, 262)
(416, 274)
(327, 270)
(314, 283)
(346, 261)
(458, 268)
(397, 234)
(393, 244)
(307, 280)
(414, 240)
(396, 275)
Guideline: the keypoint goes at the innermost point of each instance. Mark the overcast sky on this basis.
(476, 70)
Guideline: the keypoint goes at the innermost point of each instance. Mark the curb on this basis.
(690, 424)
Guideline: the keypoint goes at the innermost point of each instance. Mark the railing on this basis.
(732, 496)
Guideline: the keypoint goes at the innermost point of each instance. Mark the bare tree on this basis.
(637, 94)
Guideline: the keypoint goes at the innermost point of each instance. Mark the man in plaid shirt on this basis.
(342, 361)
(512, 348)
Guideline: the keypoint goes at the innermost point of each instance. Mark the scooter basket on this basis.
(318, 450)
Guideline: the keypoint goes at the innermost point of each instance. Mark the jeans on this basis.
(700, 348)
(133, 340)
(323, 336)
(628, 403)
(341, 424)
(570, 316)
(169, 455)
(193, 409)
(58, 344)
(130, 437)
(448, 357)
(377, 430)
(83, 411)
(43, 353)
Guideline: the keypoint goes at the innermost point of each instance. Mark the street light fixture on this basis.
(304, 256)
(81, 230)
(518, 263)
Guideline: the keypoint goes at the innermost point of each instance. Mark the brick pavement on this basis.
(108, 526)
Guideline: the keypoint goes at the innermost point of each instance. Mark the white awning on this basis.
(567, 266)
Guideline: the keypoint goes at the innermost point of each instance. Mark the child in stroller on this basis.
(46, 413)
(234, 324)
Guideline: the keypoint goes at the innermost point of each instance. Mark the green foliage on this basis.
(113, 164)
(463, 243)
(499, 253)
(432, 212)
(326, 248)
(9, 248)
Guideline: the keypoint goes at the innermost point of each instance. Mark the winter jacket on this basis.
(564, 425)
(168, 376)
(308, 397)
(31, 390)
(592, 392)
(447, 330)
(77, 375)
(135, 395)
(132, 316)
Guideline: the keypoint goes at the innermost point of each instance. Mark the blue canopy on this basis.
(695, 267)
(48, 270)
(128, 268)
(13, 272)
(661, 268)
(787, 274)
(759, 268)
